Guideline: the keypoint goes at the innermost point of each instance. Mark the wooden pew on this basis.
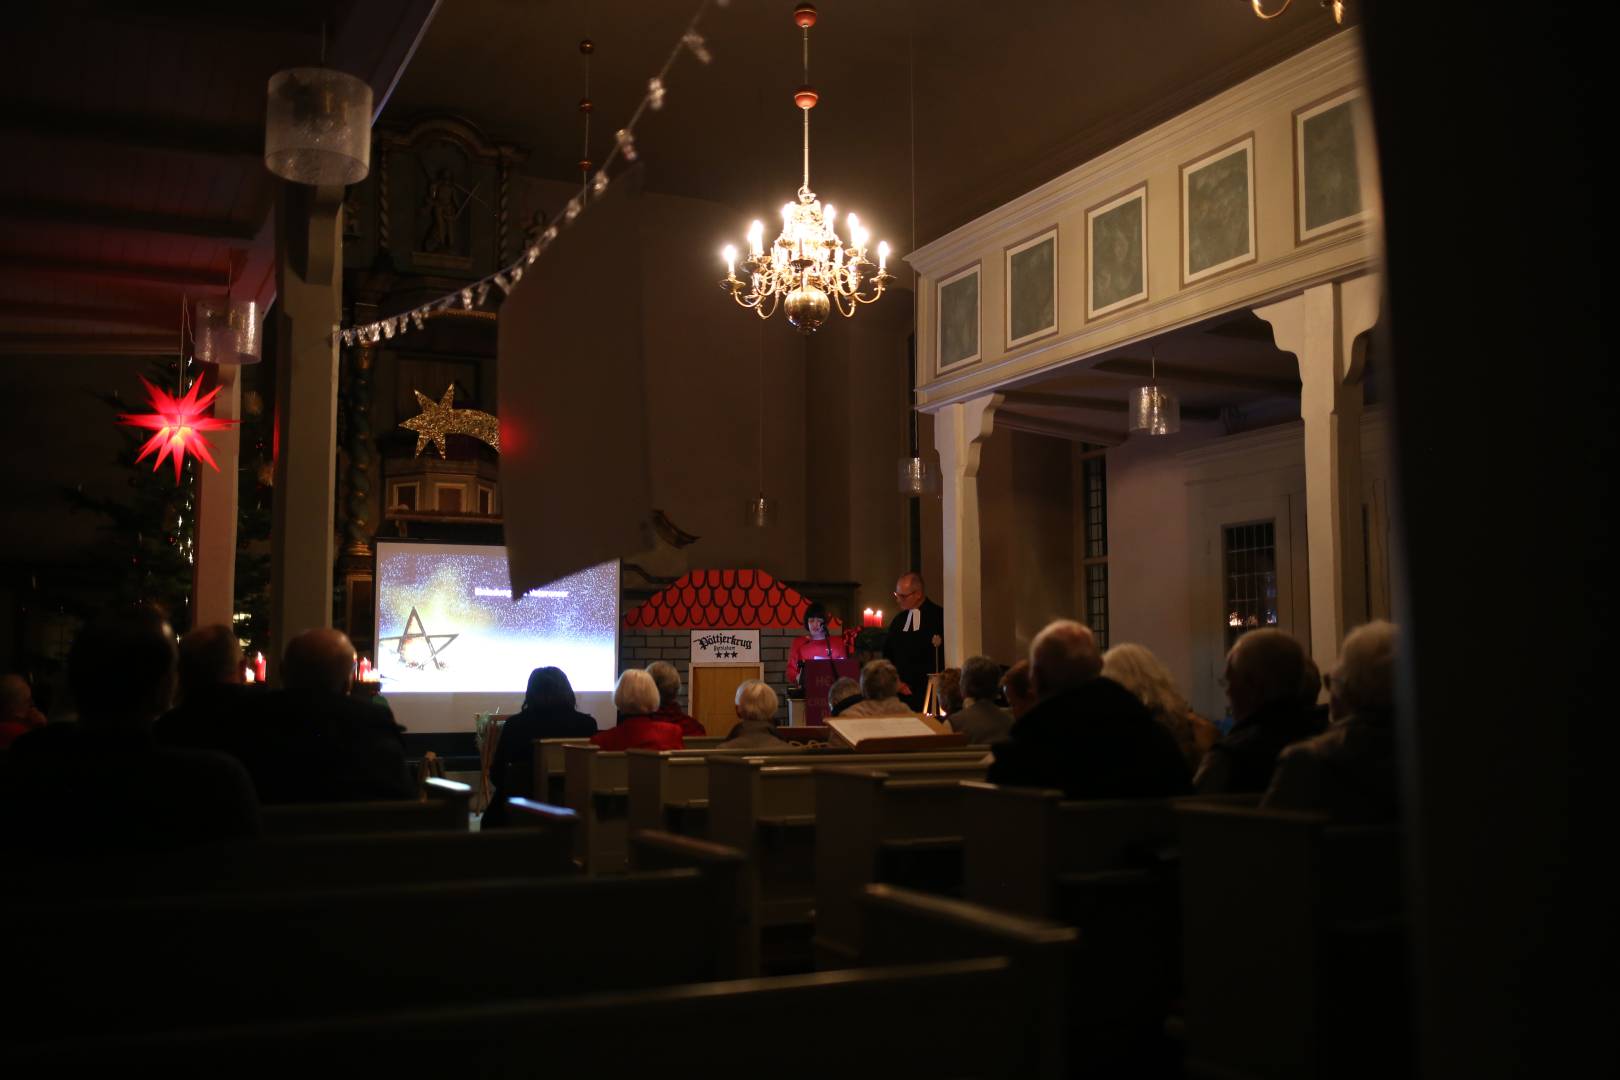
(669, 789)
(598, 791)
(903, 926)
(890, 1021)
(447, 806)
(549, 763)
(1058, 838)
(143, 964)
(900, 824)
(765, 807)
(652, 849)
(548, 777)
(1294, 953)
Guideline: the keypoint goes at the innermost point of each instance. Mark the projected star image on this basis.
(417, 648)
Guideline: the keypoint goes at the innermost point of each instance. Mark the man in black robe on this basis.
(915, 637)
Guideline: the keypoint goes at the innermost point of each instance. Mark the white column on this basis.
(309, 266)
(1323, 327)
(213, 593)
(959, 434)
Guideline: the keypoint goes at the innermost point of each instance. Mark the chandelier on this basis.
(1335, 6)
(807, 270)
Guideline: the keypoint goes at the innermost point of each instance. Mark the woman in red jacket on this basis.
(636, 698)
(818, 643)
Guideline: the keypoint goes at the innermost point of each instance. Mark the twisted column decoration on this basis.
(357, 527)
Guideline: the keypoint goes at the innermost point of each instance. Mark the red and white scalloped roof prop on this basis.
(721, 599)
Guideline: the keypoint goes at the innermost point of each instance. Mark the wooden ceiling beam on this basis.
(1095, 404)
(132, 131)
(1056, 429)
(50, 212)
(195, 280)
(1198, 376)
(89, 344)
(91, 313)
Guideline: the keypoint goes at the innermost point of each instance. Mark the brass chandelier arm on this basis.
(1260, 11)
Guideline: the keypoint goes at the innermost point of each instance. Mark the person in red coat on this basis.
(668, 681)
(639, 727)
(818, 643)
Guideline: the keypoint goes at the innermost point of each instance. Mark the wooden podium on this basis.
(817, 677)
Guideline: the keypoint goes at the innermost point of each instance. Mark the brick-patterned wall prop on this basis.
(661, 628)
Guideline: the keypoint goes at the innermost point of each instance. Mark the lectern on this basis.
(817, 677)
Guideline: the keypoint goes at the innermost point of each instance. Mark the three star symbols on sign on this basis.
(417, 648)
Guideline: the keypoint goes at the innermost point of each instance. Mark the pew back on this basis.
(597, 785)
(447, 806)
(1293, 956)
(862, 1017)
(1056, 837)
(205, 960)
(548, 776)
(871, 825)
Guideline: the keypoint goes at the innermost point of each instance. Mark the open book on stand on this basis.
(891, 733)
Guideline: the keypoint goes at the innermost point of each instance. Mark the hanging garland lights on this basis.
(624, 148)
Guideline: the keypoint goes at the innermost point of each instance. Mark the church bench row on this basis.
(900, 824)
(884, 1018)
(134, 964)
(1057, 836)
(1294, 951)
(598, 789)
(317, 862)
(669, 789)
(446, 805)
(548, 763)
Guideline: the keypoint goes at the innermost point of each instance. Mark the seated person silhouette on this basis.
(102, 786)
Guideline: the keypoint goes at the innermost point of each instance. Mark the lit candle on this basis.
(756, 237)
(258, 666)
(883, 255)
(879, 617)
(247, 675)
(365, 670)
(730, 255)
(868, 618)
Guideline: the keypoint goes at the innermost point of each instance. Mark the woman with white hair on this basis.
(636, 699)
(1136, 669)
(756, 720)
(1349, 770)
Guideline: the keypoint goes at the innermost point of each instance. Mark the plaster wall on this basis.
(1167, 501)
(855, 435)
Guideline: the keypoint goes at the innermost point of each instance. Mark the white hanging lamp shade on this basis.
(226, 332)
(916, 478)
(317, 128)
(1155, 411)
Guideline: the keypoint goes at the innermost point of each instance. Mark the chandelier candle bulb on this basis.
(883, 256)
(730, 255)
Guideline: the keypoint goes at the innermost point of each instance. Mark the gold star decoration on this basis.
(440, 418)
(417, 648)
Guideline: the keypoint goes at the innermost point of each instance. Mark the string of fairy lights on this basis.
(476, 294)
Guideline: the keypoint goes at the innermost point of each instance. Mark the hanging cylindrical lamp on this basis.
(226, 331)
(916, 478)
(1154, 410)
(317, 127)
(761, 511)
